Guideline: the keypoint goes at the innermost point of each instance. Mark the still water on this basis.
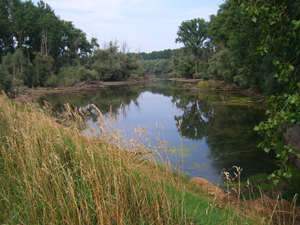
(213, 137)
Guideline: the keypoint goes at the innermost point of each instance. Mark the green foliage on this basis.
(67, 76)
(291, 187)
(5, 80)
(164, 54)
(197, 75)
(192, 34)
(35, 44)
(184, 65)
(43, 65)
(157, 66)
(110, 64)
(83, 74)
(221, 66)
(17, 82)
(22, 71)
(278, 21)
(6, 42)
(52, 81)
(235, 36)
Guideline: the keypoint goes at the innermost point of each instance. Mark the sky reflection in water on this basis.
(216, 136)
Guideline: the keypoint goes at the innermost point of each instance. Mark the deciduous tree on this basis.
(193, 34)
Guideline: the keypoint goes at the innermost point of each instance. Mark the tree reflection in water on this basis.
(217, 135)
(228, 132)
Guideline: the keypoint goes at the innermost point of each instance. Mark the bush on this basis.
(204, 75)
(52, 81)
(196, 75)
(17, 82)
(67, 76)
(5, 80)
(134, 76)
(81, 73)
(43, 65)
(70, 81)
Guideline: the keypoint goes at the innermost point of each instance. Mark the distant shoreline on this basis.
(33, 94)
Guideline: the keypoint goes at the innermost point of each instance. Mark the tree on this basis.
(193, 34)
(279, 21)
(6, 42)
(43, 64)
(5, 80)
(94, 44)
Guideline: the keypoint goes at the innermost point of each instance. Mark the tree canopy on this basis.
(36, 46)
(193, 34)
(279, 22)
(254, 43)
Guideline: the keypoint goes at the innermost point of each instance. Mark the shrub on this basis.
(52, 81)
(196, 75)
(70, 81)
(5, 80)
(17, 82)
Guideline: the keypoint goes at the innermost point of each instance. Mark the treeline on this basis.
(37, 48)
(225, 48)
(254, 43)
(158, 62)
(164, 54)
(157, 66)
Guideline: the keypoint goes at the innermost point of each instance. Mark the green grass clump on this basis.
(53, 174)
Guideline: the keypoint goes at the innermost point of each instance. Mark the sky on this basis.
(145, 25)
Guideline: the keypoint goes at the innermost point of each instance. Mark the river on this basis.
(213, 136)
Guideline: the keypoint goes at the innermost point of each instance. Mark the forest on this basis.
(37, 48)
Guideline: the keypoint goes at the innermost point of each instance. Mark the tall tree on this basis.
(193, 34)
(236, 39)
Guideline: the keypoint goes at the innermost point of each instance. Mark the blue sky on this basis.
(146, 25)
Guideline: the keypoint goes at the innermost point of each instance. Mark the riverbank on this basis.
(54, 174)
(25, 94)
(217, 86)
(61, 176)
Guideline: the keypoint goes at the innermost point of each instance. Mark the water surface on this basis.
(212, 137)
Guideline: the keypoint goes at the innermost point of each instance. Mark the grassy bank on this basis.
(52, 174)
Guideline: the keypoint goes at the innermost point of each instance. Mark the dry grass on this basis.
(52, 173)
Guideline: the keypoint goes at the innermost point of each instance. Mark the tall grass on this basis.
(53, 174)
